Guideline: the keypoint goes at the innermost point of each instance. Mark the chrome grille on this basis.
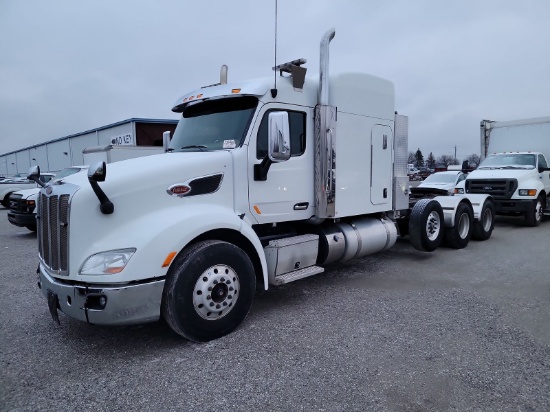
(498, 188)
(53, 231)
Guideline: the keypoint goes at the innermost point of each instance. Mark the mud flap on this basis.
(53, 303)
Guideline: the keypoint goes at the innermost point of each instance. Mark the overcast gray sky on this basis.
(67, 66)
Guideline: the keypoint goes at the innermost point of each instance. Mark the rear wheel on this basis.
(209, 290)
(426, 225)
(458, 236)
(483, 228)
(533, 217)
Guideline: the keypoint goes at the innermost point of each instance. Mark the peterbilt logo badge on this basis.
(487, 188)
(49, 190)
(179, 190)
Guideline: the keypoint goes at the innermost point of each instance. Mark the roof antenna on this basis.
(274, 90)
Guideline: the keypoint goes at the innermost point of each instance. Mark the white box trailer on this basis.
(516, 136)
(112, 153)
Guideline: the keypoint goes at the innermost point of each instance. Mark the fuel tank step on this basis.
(297, 275)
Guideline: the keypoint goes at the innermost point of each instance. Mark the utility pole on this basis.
(455, 152)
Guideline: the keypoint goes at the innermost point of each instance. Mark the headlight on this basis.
(527, 192)
(459, 191)
(107, 263)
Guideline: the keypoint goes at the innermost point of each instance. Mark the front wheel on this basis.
(426, 225)
(533, 217)
(458, 236)
(209, 290)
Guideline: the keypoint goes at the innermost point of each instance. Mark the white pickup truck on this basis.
(15, 184)
(23, 203)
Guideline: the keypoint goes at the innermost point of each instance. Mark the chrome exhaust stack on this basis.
(325, 139)
(323, 67)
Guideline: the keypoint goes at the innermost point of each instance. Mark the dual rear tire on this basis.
(427, 231)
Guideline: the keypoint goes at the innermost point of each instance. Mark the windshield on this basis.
(441, 178)
(66, 172)
(509, 161)
(214, 125)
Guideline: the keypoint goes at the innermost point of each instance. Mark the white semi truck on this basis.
(515, 170)
(264, 182)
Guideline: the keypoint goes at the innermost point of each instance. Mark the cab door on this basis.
(544, 176)
(287, 193)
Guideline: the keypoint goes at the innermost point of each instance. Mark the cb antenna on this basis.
(274, 90)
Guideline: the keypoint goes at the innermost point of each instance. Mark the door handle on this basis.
(301, 206)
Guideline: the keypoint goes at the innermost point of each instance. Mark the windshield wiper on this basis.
(195, 146)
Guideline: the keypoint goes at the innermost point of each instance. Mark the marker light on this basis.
(527, 192)
(168, 259)
(107, 263)
(235, 90)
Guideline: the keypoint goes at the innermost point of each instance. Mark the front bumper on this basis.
(22, 219)
(128, 304)
(513, 206)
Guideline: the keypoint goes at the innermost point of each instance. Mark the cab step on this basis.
(297, 275)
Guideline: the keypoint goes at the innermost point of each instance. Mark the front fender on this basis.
(155, 235)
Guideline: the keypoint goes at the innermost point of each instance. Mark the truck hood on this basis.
(154, 174)
(25, 194)
(500, 173)
(139, 188)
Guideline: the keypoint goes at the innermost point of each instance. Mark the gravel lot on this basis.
(465, 330)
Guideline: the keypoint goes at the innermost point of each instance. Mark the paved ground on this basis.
(465, 330)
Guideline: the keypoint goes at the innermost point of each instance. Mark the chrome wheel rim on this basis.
(433, 225)
(487, 220)
(463, 225)
(216, 292)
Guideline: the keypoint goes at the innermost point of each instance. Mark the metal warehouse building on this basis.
(66, 151)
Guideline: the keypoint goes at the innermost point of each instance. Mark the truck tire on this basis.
(426, 225)
(533, 217)
(458, 236)
(209, 290)
(483, 228)
(6, 200)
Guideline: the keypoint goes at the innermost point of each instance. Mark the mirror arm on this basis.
(261, 169)
(105, 205)
(38, 181)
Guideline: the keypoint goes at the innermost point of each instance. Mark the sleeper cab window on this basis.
(297, 126)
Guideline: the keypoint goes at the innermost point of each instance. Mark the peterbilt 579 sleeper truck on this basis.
(260, 185)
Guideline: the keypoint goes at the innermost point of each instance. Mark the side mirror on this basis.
(97, 172)
(278, 137)
(34, 175)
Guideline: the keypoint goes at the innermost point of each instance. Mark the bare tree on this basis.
(447, 160)
(474, 160)
(412, 158)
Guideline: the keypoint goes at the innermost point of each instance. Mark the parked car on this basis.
(439, 184)
(414, 173)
